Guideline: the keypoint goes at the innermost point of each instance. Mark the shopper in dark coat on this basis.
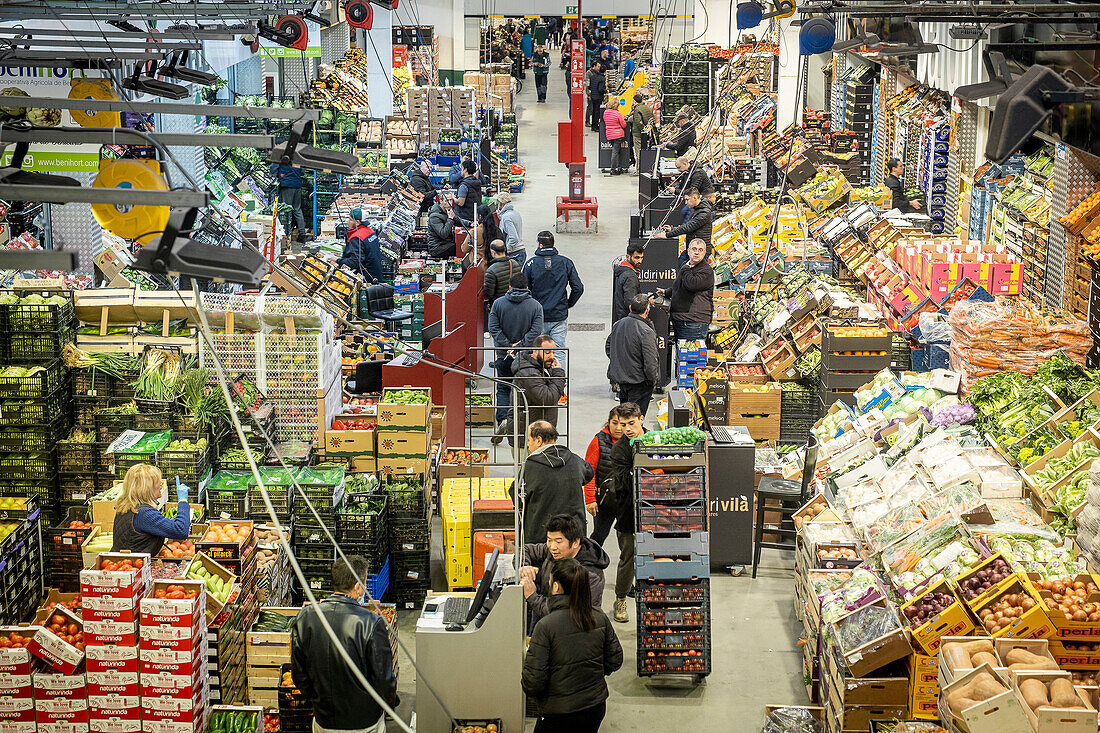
(420, 181)
(442, 221)
(498, 275)
(320, 671)
(564, 538)
(362, 252)
(570, 653)
(599, 493)
(626, 284)
(515, 321)
(622, 468)
(692, 295)
(553, 481)
(692, 176)
(683, 136)
(540, 374)
(290, 194)
(556, 284)
(597, 90)
(631, 349)
(697, 225)
(898, 199)
(468, 196)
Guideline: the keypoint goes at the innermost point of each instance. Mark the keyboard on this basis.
(455, 610)
(723, 435)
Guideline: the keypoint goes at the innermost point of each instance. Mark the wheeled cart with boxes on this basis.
(672, 561)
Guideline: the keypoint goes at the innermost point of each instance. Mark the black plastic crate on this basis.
(34, 347)
(154, 421)
(409, 596)
(85, 409)
(38, 318)
(110, 425)
(91, 383)
(688, 485)
(354, 525)
(33, 437)
(409, 534)
(45, 380)
(278, 494)
(67, 539)
(406, 501)
(232, 503)
(661, 616)
(375, 555)
(694, 662)
(411, 567)
(75, 488)
(673, 591)
(670, 639)
(671, 516)
(313, 551)
(27, 467)
(189, 465)
(44, 410)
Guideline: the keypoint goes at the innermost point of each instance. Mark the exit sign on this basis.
(570, 9)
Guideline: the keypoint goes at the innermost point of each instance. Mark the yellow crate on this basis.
(460, 570)
(494, 488)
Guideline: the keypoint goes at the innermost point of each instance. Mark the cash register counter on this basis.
(476, 671)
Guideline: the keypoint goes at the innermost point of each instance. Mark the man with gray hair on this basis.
(512, 226)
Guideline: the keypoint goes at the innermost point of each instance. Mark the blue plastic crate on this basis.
(938, 357)
(380, 582)
(919, 359)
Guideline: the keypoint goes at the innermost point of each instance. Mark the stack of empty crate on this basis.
(673, 598)
(851, 354)
(409, 530)
(362, 529)
(313, 549)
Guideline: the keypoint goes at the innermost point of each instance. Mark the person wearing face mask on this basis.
(340, 702)
(139, 525)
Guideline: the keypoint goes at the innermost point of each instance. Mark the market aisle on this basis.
(755, 652)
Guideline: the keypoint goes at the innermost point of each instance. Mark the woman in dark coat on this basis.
(571, 651)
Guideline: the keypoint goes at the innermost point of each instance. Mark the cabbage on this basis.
(13, 111)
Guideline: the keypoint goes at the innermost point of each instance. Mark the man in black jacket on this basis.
(468, 196)
(622, 467)
(692, 294)
(698, 224)
(898, 199)
(539, 373)
(692, 175)
(420, 181)
(498, 275)
(515, 321)
(340, 702)
(626, 285)
(564, 538)
(597, 90)
(553, 481)
(631, 348)
(442, 221)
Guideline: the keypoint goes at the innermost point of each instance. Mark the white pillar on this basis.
(713, 23)
(379, 70)
(787, 111)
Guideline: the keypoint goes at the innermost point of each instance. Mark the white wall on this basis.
(446, 16)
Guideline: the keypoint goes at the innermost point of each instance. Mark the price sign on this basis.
(576, 68)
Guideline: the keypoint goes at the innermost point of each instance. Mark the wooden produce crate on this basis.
(757, 408)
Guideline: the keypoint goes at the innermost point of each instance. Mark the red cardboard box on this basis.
(173, 685)
(103, 707)
(62, 726)
(56, 686)
(117, 583)
(17, 661)
(171, 637)
(110, 682)
(168, 661)
(15, 685)
(54, 650)
(73, 710)
(169, 726)
(113, 725)
(178, 710)
(159, 609)
(110, 608)
(112, 658)
(16, 710)
(117, 633)
(7, 726)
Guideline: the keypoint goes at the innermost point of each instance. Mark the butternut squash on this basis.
(1034, 693)
(956, 656)
(978, 645)
(982, 687)
(1021, 659)
(984, 658)
(1062, 694)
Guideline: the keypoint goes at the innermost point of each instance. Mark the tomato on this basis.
(55, 628)
(160, 593)
(109, 566)
(139, 563)
(69, 639)
(79, 645)
(58, 619)
(72, 629)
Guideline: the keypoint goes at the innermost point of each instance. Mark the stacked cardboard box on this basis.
(491, 90)
(267, 652)
(403, 435)
(439, 108)
(111, 600)
(173, 649)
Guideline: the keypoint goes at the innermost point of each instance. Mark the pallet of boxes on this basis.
(673, 597)
(490, 89)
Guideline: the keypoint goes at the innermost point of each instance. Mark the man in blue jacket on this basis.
(515, 319)
(363, 251)
(556, 285)
(290, 194)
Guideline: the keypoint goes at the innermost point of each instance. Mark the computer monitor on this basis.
(701, 412)
(484, 586)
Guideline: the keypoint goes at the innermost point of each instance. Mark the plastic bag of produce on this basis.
(792, 720)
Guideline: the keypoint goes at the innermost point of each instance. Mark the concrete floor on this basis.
(755, 657)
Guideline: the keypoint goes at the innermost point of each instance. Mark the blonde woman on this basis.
(139, 525)
(614, 125)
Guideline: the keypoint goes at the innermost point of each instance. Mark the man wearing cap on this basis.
(362, 252)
